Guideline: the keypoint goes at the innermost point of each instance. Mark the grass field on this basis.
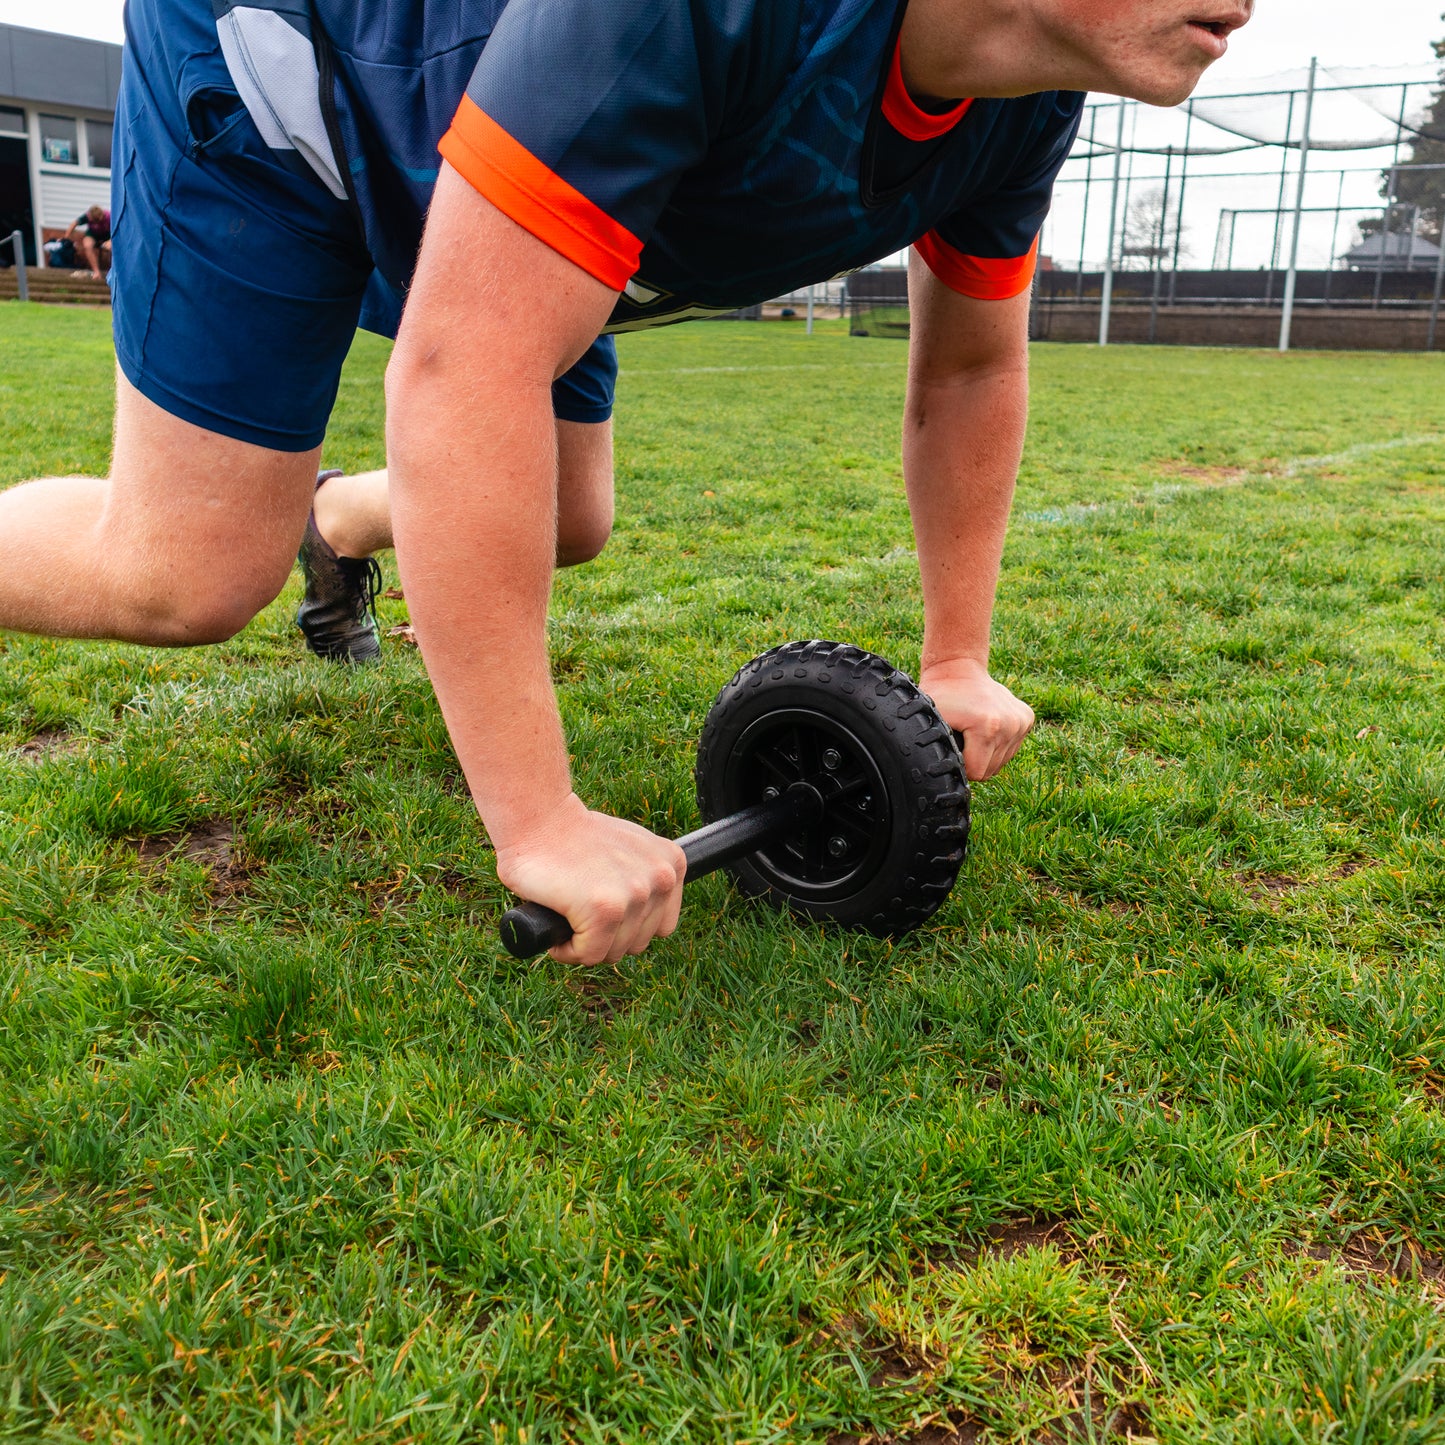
(1143, 1136)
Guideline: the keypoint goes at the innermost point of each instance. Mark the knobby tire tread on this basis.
(936, 785)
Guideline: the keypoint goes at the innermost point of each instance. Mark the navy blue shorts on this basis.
(238, 278)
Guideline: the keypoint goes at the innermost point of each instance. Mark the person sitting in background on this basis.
(85, 244)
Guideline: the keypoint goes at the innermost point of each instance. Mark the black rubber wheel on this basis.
(894, 828)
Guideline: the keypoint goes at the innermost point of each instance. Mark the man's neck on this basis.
(957, 48)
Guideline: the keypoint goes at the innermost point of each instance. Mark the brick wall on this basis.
(1314, 328)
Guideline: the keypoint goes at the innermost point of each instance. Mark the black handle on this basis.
(533, 928)
(530, 928)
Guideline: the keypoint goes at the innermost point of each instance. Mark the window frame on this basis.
(44, 115)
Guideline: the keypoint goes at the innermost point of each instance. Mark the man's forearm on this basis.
(474, 513)
(962, 440)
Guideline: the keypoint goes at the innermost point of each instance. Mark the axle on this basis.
(530, 928)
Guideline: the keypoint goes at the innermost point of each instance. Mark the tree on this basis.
(1150, 232)
(1423, 189)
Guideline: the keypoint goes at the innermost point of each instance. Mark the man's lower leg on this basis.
(337, 616)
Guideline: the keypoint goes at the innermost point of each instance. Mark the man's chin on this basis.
(1162, 90)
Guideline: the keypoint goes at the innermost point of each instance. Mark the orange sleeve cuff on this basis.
(984, 278)
(540, 201)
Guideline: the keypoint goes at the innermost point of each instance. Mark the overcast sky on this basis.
(1283, 34)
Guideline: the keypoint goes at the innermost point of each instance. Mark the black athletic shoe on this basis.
(336, 616)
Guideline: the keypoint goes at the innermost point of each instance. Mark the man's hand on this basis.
(618, 885)
(993, 721)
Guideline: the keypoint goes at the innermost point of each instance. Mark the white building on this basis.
(57, 114)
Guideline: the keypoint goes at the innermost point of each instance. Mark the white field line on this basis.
(704, 597)
(1167, 492)
(656, 610)
(170, 702)
(1350, 454)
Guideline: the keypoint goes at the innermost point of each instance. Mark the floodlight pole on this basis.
(1107, 296)
(1287, 318)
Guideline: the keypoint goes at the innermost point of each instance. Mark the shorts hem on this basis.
(177, 406)
(588, 415)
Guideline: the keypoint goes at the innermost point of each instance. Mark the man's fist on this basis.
(618, 885)
(992, 721)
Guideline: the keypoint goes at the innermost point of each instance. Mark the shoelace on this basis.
(370, 584)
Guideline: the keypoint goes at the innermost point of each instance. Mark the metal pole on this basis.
(1435, 301)
(1390, 198)
(1160, 233)
(1106, 299)
(1384, 240)
(1291, 278)
(810, 310)
(1335, 233)
(1279, 205)
(1126, 199)
(1088, 187)
(22, 281)
(1179, 220)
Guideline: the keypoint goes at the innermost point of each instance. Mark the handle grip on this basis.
(531, 928)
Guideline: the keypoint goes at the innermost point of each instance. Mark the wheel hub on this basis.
(835, 854)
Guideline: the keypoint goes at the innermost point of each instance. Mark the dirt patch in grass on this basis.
(954, 1428)
(1007, 1237)
(1370, 1256)
(1095, 1411)
(602, 993)
(1266, 886)
(1271, 887)
(1204, 476)
(1349, 868)
(211, 843)
(1129, 1421)
(386, 896)
(891, 1361)
(48, 745)
(1119, 907)
(1020, 1233)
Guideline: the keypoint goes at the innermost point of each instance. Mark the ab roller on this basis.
(829, 786)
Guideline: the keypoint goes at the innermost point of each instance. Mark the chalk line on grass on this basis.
(1167, 492)
(657, 610)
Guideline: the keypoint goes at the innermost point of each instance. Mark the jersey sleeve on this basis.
(988, 249)
(581, 117)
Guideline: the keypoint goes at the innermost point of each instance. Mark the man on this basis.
(618, 165)
(88, 241)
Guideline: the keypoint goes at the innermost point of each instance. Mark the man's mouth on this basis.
(1214, 31)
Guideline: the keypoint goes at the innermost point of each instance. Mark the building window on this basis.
(97, 143)
(59, 140)
(12, 121)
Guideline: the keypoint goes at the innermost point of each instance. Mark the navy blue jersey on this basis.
(694, 155)
(275, 160)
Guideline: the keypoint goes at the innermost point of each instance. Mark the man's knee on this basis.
(198, 532)
(584, 491)
(210, 605)
(580, 539)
